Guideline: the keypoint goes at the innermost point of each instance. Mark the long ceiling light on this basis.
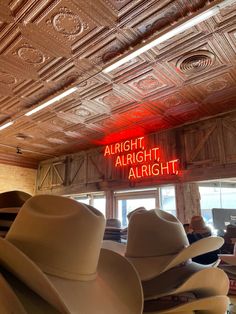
(51, 101)
(171, 33)
(6, 125)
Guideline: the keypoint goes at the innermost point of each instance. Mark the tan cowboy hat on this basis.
(199, 279)
(13, 198)
(54, 247)
(28, 299)
(209, 305)
(9, 303)
(157, 242)
(198, 225)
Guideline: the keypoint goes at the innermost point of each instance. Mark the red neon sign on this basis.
(142, 161)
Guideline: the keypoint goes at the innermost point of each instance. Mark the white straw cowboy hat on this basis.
(198, 279)
(209, 305)
(54, 247)
(157, 242)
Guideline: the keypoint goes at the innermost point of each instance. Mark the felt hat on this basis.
(9, 302)
(157, 242)
(208, 305)
(13, 198)
(198, 225)
(54, 247)
(139, 209)
(199, 279)
(229, 258)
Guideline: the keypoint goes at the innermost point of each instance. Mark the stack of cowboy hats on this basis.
(10, 203)
(51, 261)
(112, 230)
(158, 248)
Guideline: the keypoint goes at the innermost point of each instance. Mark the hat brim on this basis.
(109, 292)
(209, 305)
(199, 279)
(228, 258)
(7, 294)
(229, 269)
(150, 267)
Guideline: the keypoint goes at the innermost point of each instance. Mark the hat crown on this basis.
(62, 236)
(155, 233)
(197, 223)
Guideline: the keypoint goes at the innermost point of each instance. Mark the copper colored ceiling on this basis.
(49, 46)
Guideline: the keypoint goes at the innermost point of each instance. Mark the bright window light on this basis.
(51, 101)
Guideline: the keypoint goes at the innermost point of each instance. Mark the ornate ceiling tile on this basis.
(66, 21)
(216, 84)
(113, 100)
(149, 83)
(54, 140)
(7, 78)
(138, 114)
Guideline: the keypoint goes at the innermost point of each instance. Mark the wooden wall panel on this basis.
(207, 150)
(51, 174)
(77, 169)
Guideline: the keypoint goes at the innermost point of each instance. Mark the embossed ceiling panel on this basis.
(47, 47)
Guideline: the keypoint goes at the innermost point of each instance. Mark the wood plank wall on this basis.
(207, 150)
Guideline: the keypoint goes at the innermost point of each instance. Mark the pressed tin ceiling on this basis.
(47, 47)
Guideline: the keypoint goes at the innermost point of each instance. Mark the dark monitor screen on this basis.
(223, 217)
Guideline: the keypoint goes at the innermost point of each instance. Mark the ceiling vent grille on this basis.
(195, 61)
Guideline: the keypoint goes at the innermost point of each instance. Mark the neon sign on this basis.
(142, 161)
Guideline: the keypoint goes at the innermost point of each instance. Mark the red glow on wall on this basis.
(121, 136)
(141, 160)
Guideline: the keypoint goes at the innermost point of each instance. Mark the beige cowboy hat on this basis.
(157, 242)
(209, 305)
(9, 302)
(199, 279)
(54, 247)
(25, 300)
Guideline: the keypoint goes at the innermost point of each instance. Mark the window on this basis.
(216, 195)
(127, 201)
(96, 200)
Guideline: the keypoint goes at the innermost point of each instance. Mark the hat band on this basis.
(166, 302)
(65, 274)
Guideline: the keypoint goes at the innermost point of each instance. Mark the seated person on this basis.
(199, 231)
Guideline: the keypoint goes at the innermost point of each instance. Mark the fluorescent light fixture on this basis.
(51, 101)
(171, 33)
(6, 125)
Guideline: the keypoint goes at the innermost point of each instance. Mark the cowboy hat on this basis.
(13, 198)
(157, 242)
(229, 258)
(198, 225)
(199, 279)
(54, 247)
(10, 203)
(28, 299)
(9, 303)
(209, 305)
